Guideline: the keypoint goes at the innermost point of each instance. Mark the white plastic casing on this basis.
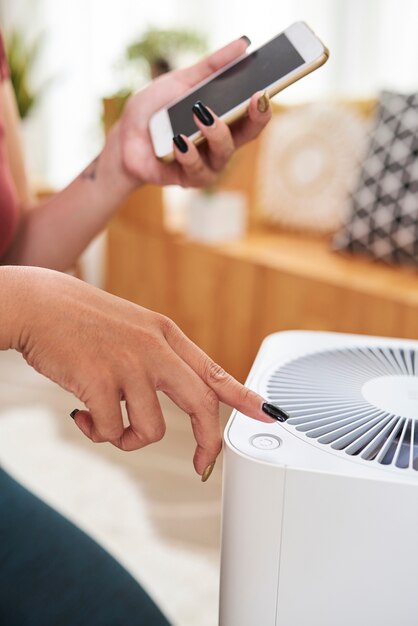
(310, 538)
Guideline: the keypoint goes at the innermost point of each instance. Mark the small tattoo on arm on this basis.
(91, 170)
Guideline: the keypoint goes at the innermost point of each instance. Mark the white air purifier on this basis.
(320, 513)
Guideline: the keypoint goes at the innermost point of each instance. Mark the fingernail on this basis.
(203, 114)
(180, 143)
(263, 102)
(246, 39)
(208, 471)
(275, 411)
(74, 413)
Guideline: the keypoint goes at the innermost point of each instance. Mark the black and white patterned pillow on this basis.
(383, 222)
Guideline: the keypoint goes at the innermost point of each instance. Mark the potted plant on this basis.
(22, 57)
(156, 52)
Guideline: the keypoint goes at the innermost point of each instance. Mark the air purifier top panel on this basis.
(353, 397)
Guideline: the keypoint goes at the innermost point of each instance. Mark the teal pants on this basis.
(53, 574)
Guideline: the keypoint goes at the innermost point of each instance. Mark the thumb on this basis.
(215, 61)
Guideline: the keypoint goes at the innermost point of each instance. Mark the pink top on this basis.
(8, 199)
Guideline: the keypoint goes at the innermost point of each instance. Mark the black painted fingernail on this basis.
(180, 143)
(246, 39)
(74, 413)
(204, 115)
(275, 411)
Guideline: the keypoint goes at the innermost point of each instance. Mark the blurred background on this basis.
(270, 267)
(82, 56)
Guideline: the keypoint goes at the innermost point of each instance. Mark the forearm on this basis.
(13, 296)
(55, 233)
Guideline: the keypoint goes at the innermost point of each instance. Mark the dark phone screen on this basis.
(227, 90)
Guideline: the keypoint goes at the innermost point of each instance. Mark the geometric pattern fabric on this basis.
(383, 222)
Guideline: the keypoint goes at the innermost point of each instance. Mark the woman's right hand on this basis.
(105, 350)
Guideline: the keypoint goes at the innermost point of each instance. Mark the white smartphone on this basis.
(272, 67)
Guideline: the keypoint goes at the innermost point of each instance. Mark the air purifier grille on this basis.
(359, 401)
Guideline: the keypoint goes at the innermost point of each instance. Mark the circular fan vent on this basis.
(360, 401)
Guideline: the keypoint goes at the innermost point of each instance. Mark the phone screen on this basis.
(229, 89)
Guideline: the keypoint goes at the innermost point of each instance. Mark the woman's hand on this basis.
(81, 211)
(106, 350)
(193, 167)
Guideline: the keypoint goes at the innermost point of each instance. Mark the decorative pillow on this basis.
(384, 217)
(309, 161)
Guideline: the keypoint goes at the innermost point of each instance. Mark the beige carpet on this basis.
(148, 508)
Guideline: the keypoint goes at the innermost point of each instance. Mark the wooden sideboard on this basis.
(227, 298)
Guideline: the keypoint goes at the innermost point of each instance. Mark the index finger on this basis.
(226, 387)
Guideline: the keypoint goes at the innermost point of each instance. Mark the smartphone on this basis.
(280, 62)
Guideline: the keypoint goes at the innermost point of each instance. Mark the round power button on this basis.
(265, 442)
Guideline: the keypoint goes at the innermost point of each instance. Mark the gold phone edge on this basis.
(307, 69)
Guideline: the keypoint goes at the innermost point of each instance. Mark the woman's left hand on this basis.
(194, 167)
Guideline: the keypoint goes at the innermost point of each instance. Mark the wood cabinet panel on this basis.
(228, 298)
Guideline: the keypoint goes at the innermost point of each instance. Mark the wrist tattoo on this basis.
(90, 172)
